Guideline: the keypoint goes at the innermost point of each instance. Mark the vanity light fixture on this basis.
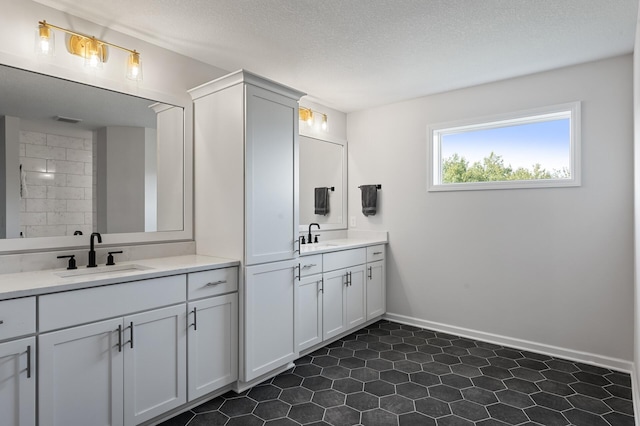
(307, 115)
(94, 51)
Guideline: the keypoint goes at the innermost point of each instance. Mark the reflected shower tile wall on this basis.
(60, 176)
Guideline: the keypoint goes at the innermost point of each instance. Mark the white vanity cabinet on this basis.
(344, 300)
(213, 330)
(82, 379)
(337, 300)
(119, 371)
(349, 292)
(309, 302)
(376, 282)
(269, 316)
(246, 191)
(17, 362)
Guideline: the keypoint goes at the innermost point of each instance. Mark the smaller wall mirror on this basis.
(323, 164)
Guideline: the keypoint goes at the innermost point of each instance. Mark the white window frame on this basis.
(434, 131)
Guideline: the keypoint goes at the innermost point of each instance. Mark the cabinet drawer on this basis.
(310, 265)
(343, 259)
(92, 304)
(17, 317)
(375, 253)
(212, 283)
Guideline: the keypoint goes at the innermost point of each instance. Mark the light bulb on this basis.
(310, 119)
(93, 53)
(134, 67)
(45, 41)
(324, 122)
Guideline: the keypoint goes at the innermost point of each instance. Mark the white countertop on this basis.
(22, 284)
(49, 281)
(329, 246)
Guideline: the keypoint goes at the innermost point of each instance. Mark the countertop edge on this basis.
(341, 246)
(161, 267)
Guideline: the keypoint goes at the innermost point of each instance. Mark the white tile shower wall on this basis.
(60, 179)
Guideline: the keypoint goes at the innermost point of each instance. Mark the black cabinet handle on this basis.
(195, 319)
(130, 341)
(29, 362)
(120, 338)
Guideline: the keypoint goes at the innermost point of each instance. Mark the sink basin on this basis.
(318, 246)
(102, 270)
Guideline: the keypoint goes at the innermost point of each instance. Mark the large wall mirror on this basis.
(323, 183)
(78, 159)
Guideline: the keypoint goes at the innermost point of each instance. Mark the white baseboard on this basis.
(555, 351)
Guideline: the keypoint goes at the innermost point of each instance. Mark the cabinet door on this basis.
(309, 312)
(269, 310)
(334, 303)
(80, 376)
(271, 176)
(356, 298)
(213, 344)
(376, 290)
(155, 367)
(18, 382)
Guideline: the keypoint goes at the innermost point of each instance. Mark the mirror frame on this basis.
(345, 186)
(21, 245)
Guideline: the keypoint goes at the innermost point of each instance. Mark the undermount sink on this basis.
(318, 246)
(103, 270)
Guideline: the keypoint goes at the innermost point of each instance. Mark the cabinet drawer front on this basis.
(375, 253)
(212, 283)
(17, 317)
(92, 304)
(343, 259)
(310, 265)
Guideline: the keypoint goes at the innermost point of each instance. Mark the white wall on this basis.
(550, 266)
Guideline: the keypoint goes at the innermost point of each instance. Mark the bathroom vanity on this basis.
(342, 286)
(128, 344)
(116, 346)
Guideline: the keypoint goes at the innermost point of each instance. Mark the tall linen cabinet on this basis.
(246, 206)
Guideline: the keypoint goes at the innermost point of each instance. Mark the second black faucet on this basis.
(309, 237)
(92, 251)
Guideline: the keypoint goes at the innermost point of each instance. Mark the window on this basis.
(528, 149)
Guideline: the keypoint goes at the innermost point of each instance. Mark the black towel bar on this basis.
(377, 187)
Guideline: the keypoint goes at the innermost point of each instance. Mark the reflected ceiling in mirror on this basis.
(82, 159)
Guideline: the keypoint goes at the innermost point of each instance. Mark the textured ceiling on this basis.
(354, 54)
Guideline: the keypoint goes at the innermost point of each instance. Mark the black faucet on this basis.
(309, 237)
(92, 252)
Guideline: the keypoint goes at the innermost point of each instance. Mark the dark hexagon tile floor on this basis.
(390, 374)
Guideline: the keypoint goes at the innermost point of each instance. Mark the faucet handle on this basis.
(110, 261)
(302, 240)
(72, 261)
(315, 240)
